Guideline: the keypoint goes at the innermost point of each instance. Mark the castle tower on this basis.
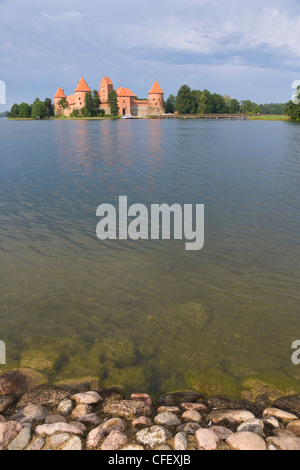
(156, 98)
(81, 90)
(106, 86)
(59, 95)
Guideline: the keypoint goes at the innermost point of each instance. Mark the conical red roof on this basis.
(156, 89)
(59, 93)
(125, 92)
(83, 86)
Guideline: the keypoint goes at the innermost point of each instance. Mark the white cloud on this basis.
(67, 15)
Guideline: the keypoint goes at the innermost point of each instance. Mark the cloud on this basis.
(68, 15)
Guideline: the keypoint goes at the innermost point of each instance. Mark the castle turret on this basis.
(106, 86)
(156, 98)
(81, 90)
(59, 95)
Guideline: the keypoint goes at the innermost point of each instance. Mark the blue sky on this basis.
(248, 50)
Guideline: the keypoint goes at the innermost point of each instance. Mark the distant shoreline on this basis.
(267, 117)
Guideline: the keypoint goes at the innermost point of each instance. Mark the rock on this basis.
(88, 398)
(188, 428)
(192, 415)
(2, 419)
(52, 419)
(285, 442)
(271, 447)
(89, 419)
(13, 383)
(153, 436)
(6, 402)
(283, 416)
(263, 402)
(73, 444)
(176, 399)
(206, 439)
(167, 419)
(31, 414)
(142, 421)
(21, 441)
(44, 395)
(8, 431)
(128, 409)
(193, 406)
(50, 429)
(133, 448)
(271, 423)
(230, 416)
(34, 378)
(282, 433)
(253, 425)
(294, 427)
(290, 404)
(59, 439)
(222, 403)
(37, 444)
(114, 441)
(96, 435)
(164, 448)
(143, 397)
(81, 410)
(65, 407)
(170, 409)
(221, 432)
(180, 441)
(246, 441)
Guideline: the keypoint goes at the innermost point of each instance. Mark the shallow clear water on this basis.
(148, 314)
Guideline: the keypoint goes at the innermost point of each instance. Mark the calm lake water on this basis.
(148, 314)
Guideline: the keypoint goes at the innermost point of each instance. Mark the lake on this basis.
(147, 314)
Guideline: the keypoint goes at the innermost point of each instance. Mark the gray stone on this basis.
(37, 444)
(222, 432)
(59, 439)
(253, 425)
(65, 407)
(167, 419)
(74, 444)
(87, 398)
(177, 398)
(52, 419)
(153, 436)
(128, 409)
(188, 428)
(89, 419)
(180, 441)
(44, 395)
(21, 441)
(8, 431)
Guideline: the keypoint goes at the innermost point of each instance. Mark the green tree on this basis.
(293, 110)
(38, 110)
(89, 109)
(170, 104)
(15, 111)
(247, 107)
(25, 110)
(97, 102)
(234, 106)
(49, 107)
(113, 103)
(64, 103)
(184, 100)
(206, 104)
(219, 104)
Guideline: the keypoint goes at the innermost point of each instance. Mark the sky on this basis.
(245, 49)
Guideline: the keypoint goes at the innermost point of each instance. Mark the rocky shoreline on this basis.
(48, 417)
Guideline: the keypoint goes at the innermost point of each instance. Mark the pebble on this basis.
(167, 419)
(246, 441)
(206, 439)
(180, 441)
(280, 415)
(193, 406)
(50, 429)
(21, 441)
(65, 407)
(8, 431)
(192, 415)
(170, 409)
(188, 428)
(222, 432)
(133, 448)
(285, 442)
(253, 425)
(153, 436)
(52, 419)
(81, 410)
(230, 416)
(59, 439)
(87, 398)
(294, 427)
(37, 444)
(89, 419)
(143, 397)
(114, 441)
(74, 444)
(142, 421)
(128, 409)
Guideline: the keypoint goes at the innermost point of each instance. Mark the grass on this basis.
(270, 117)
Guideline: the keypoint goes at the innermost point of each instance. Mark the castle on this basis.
(127, 100)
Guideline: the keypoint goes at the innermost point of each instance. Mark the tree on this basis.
(293, 110)
(63, 103)
(206, 104)
(15, 111)
(38, 110)
(25, 110)
(219, 104)
(97, 102)
(234, 106)
(170, 104)
(184, 100)
(49, 107)
(247, 107)
(113, 103)
(89, 109)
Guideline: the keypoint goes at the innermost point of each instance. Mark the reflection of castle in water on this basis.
(127, 100)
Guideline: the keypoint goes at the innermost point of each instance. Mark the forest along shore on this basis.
(78, 418)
